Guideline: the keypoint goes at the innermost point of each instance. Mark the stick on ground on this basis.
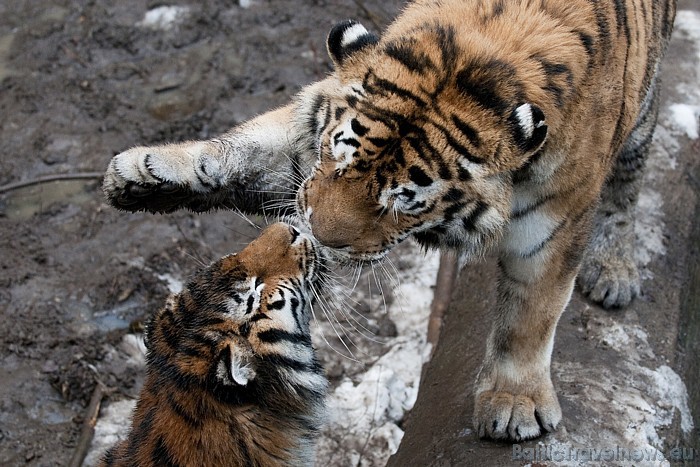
(51, 178)
(88, 430)
(444, 284)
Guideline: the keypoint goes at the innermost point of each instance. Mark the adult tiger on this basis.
(437, 131)
(232, 377)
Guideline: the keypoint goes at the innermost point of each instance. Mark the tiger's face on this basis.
(405, 152)
(239, 317)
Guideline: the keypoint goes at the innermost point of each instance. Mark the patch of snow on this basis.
(174, 284)
(112, 427)
(164, 17)
(245, 3)
(134, 347)
(671, 395)
(685, 118)
(627, 338)
(687, 26)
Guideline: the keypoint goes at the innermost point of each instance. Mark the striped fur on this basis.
(232, 378)
(466, 125)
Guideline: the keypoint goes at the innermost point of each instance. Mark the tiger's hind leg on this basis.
(608, 273)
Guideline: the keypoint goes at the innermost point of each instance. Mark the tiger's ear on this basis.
(165, 318)
(529, 129)
(346, 38)
(236, 365)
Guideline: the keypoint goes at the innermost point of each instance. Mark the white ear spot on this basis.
(524, 117)
(346, 38)
(352, 34)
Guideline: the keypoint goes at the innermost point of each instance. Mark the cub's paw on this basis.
(161, 179)
(516, 415)
(612, 280)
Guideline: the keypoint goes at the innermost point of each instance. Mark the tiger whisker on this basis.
(348, 315)
(330, 346)
(330, 321)
(272, 192)
(379, 285)
(238, 211)
(342, 326)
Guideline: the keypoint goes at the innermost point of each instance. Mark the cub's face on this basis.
(409, 152)
(241, 313)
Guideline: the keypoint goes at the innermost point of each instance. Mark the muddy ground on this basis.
(81, 81)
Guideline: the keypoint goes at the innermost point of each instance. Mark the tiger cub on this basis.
(232, 378)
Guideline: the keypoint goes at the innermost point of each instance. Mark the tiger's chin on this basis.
(351, 259)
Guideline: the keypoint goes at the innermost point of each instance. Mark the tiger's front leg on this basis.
(242, 169)
(539, 259)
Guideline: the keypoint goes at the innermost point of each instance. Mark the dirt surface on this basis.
(81, 81)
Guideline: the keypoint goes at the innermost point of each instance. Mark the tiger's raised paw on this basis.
(510, 416)
(162, 178)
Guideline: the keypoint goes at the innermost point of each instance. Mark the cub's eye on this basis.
(276, 305)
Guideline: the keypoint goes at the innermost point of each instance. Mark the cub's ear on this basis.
(346, 38)
(528, 127)
(236, 364)
(164, 320)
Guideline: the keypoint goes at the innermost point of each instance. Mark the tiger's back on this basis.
(232, 378)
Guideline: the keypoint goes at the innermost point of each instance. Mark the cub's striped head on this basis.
(240, 328)
(415, 137)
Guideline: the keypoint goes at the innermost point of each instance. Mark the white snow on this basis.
(687, 26)
(174, 284)
(164, 17)
(685, 118)
(115, 418)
